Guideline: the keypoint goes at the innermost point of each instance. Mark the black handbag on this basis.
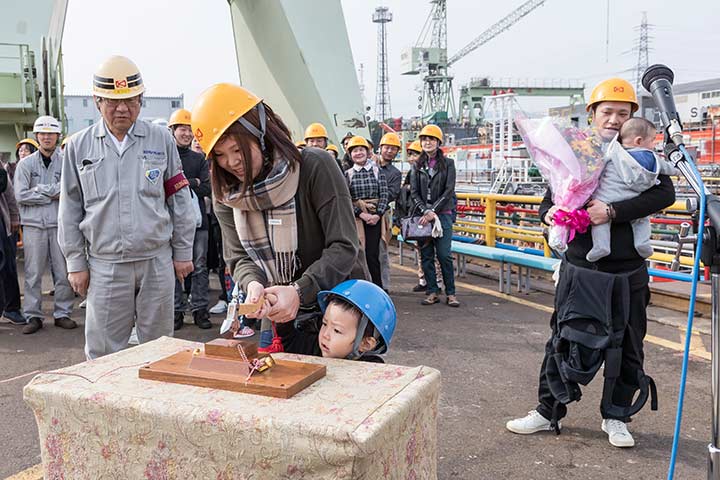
(411, 229)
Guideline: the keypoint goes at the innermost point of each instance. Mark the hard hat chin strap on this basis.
(362, 326)
(259, 134)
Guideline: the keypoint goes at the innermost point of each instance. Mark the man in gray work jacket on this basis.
(37, 189)
(125, 220)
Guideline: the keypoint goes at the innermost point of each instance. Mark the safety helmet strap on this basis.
(259, 134)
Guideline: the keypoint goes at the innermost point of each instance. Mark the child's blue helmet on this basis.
(373, 302)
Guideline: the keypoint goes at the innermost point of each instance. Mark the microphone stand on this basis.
(710, 257)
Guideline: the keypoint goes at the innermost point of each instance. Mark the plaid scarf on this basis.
(266, 224)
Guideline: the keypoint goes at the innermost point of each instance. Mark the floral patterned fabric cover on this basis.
(361, 421)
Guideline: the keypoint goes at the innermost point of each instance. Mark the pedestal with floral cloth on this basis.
(361, 421)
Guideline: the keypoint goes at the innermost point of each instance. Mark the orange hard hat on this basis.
(333, 148)
(357, 142)
(415, 147)
(216, 109)
(391, 139)
(29, 141)
(180, 116)
(315, 130)
(432, 131)
(613, 90)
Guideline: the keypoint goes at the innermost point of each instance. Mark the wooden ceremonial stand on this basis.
(230, 364)
(222, 367)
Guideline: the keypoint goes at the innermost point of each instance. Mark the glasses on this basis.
(115, 102)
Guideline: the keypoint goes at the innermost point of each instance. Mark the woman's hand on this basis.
(284, 303)
(428, 217)
(374, 219)
(598, 212)
(365, 217)
(255, 292)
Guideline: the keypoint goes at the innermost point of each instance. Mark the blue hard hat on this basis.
(371, 300)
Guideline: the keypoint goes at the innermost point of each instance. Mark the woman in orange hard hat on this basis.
(433, 192)
(287, 220)
(612, 102)
(23, 148)
(369, 193)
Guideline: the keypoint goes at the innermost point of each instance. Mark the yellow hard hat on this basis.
(333, 148)
(65, 140)
(216, 109)
(432, 131)
(29, 141)
(415, 146)
(315, 130)
(613, 90)
(117, 77)
(180, 116)
(300, 144)
(357, 142)
(391, 139)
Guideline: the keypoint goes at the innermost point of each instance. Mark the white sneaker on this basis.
(83, 304)
(219, 307)
(618, 434)
(531, 423)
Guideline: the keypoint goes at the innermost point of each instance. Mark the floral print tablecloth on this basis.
(362, 421)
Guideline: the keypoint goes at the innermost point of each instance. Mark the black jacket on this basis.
(623, 256)
(441, 185)
(196, 171)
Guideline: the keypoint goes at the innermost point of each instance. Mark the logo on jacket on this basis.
(153, 174)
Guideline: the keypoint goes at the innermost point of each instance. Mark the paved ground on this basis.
(489, 352)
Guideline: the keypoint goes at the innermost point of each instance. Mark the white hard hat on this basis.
(46, 124)
(117, 77)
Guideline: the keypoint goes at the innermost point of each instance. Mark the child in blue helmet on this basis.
(358, 322)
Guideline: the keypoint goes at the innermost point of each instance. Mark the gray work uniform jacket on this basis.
(114, 207)
(37, 190)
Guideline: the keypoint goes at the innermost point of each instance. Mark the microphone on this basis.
(658, 80)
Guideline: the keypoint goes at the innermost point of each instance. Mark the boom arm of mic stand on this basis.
(712, 202)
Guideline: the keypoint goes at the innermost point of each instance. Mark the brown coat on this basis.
(8, 208)
(328, 246)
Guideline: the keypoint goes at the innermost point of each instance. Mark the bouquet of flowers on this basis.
(571, 159)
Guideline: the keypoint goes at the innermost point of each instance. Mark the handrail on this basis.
(487, 205)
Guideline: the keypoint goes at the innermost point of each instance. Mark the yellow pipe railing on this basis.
(492, 230)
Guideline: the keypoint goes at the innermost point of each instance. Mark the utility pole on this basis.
(642, 46)
(382, 17)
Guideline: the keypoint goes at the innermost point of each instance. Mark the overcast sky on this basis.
(183, 46)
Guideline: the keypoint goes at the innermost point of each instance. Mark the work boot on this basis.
(531, 423)
(618, 434)
(66, 323)
(15, 317)
(33, 325)
(431, 299)
(179, 320)
(419, 288)
(201, 318)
